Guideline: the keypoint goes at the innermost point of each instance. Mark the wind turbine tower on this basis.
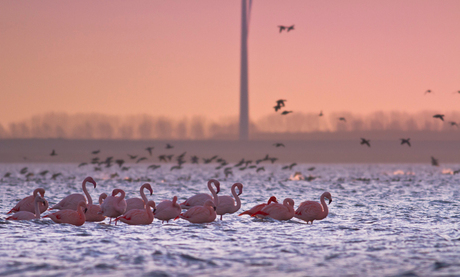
(244, 99)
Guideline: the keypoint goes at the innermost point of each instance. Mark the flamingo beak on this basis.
(154, 210)
(86, 209)
(330, 200)
(215, 208)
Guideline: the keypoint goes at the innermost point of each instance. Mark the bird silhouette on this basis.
(406, 141)
(175, 167)
(55, 175)
(82, 164)
(453, 123)
(23, 170)
(141, 159)
(289, 166)
(277, 107)
(150, 150)
(120, 162)
(162, 158)
(132, 157)
(53, 153)
(260, 169)
(343, 119)
(278, 144)
(95, 152)
(195, 159)
(44, 172)
(286, 112)
(434, 162)
(427, 91)
(280, 102)
(290, 28)
(169, 146)
(281, 28)
(365, 141)
(153, 166)
(320, 113)
(440, 116)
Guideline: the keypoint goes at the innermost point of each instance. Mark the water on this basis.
(385, 220)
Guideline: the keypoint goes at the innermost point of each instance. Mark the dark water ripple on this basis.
(385, 220)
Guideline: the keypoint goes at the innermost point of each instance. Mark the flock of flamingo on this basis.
(76, 209)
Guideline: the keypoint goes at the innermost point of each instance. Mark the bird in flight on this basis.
(141, 159)
(53, 153)
(427, 91)
(150, 150)
(286, 112)
(453, 123)
(320, 113)
(95, 152)
(132, 156)
(405, 141)
(365, 141)
(434, 162)
(290, 28)
(169, 146)
(278, 144)
(440, 116)
(281, 102)
(281, 28)
(277, 107)
(343, 119)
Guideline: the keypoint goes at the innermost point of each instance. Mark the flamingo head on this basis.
(39, 190)
(102, 197)
(289, 201)
(328, 196)
(240, 188)
(210, 203)
(152, 204)
(91, 180)
(149, 187)
(216, 183)
(272, 199)
(116, 191)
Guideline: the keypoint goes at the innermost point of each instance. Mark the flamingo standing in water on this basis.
(312, 210)
(70, 202)
(200, 214)
(26, 215)
(277, 211)
(259, 207)
(167, 210)
(200, 198)
(76, 218)
(28, 204)
(139, 203)
(139, 216)
(114, 206)
(226, 202)
(92, 214)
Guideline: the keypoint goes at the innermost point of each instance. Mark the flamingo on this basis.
(200, 198)
(312, 210)
(200, 214)
(114, 206)
(138, 216)
(277, 211)
(70, 202)
(76, 218)
(167, 210)
(226, 202)
(27, 203)
(26, 215)
(92, 214)
(139, 203)
(259, 207)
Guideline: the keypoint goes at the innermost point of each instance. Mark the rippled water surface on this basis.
(385, 220)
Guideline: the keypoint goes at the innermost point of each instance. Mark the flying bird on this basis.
(320, 113)
(453, 123)
(82, 164)
(286, 112)
(150, 150)
(365, 141)
(289, 166)
(440, 116)
(427, 91)
(343, 119)
(278, 144)
(406, 141)
(169, 146)
(434, 162)
(95, 152)
(277, 107)
(120, 162)
(281, 28)
(132, 157)
(280, 102)
(290, 28)
(53, 153)
(154, 166)
(141, 159)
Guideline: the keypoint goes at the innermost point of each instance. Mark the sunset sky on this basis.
(181, 58)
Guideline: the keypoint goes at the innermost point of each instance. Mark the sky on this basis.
(181, 58)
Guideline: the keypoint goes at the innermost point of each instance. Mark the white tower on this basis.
(244, 101)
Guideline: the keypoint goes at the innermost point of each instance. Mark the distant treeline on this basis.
(99, 126)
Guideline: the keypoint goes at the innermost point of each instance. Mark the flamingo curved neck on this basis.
(214, 193)
(237, 199)
(325, 208)
(90, 200)
(122, 196)
(144, 198)
(37, 209)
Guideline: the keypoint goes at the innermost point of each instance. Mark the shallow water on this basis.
(385, 220)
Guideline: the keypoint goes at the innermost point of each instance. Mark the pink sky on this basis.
(181, 58)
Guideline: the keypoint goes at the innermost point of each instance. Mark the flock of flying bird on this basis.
(76, 209)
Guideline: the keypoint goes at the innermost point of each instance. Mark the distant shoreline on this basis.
(325, 150)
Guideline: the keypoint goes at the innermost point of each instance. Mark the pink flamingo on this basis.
(259, 207)
(92, 214)
(70, 202)
(167, 210)
(200, 214)
(76, 218)
(226, 202)
(312, 210)
(27, 203)
(114, 206)
(277, 211)
(26, 215)
(139, 203)
(139, 216)
(200, 198)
